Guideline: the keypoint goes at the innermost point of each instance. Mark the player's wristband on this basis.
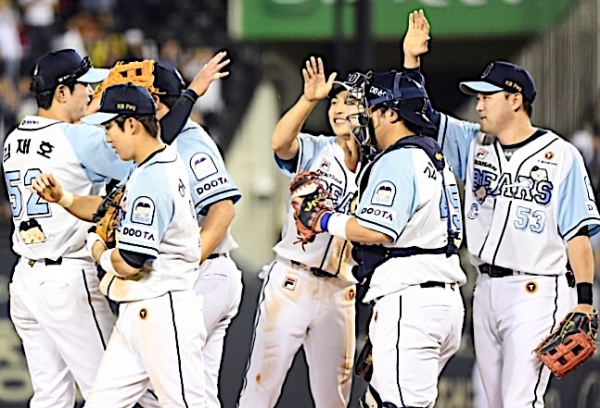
(584, 293)
(106, 263)
(66, 200)
(335, 224)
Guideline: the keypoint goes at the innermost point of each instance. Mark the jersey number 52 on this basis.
(18, 189)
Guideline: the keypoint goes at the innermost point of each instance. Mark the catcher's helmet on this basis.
(400, 93)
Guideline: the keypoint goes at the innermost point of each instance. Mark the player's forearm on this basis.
(346, 227)
(111, 261)
(219, 218)
(84, 207)
(284, 140)
(579, 250)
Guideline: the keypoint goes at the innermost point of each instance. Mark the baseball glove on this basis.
(106, 216)
(310, 201)
(364, 362)
(567, 347)
(139, 73)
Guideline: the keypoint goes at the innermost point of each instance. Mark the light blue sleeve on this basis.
(390, 198)
(98, 159)
(149, 210)
(309, 148)
(577, 206)
(209, 180)
(455, 137)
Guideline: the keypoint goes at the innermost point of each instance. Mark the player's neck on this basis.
(148, 148)
(386, 139)
(54, 114)
(516, 133)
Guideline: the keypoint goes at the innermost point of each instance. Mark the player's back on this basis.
(405, 199)
(40, 145)
(209, 180)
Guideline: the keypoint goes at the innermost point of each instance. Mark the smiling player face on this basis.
(338, 111)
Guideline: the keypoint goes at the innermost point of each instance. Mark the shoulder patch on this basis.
(384, 194)
(202, 165)
(143, 211)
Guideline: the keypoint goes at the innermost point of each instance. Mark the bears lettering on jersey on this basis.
(535, 186)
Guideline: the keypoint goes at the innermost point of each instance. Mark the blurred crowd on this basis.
(104, 30)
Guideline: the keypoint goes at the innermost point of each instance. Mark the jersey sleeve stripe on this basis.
(142, 249)
(583, 223)
(380, 228)
(218, 196)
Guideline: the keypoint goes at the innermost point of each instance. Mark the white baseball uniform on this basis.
(59, 313)
(418, 310)
(159, 334)
(522, 204)
(220, 281)
(296, 307)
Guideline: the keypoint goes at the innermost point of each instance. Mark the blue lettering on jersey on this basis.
(535, 187)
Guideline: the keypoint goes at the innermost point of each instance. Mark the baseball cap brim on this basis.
(94, 75)
(477, 87)
(99, 118)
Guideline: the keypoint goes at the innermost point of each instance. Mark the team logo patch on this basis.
(143, 314)
(31, 232)
(143, 211)
(481, 154)
(325, 164)
(531, 287)
(290, 283)
(384, 194)
(202, 165)
(351, 294)
(548, 155)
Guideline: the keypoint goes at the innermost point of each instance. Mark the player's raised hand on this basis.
(316, 86)
(209, 73)
(47, 187)
(416, 40)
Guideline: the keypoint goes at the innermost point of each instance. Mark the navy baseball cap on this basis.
(167, 80)
(122, 100)
(64, 67)
(502, 76)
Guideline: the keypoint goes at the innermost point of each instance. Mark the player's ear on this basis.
(516, 100)
(60, 93)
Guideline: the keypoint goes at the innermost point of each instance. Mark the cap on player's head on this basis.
(348, 83)
(167, 80)
(502, 76)
(400, 93)
(122, 100)
(64, 67)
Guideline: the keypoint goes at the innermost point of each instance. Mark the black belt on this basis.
(214, 256)
(433, 284)
(46, 261)
(496, 271)
(315, 271)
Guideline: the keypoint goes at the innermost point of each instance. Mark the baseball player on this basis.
(308, 293)
(406, 230)
(152, 270)
(55, 284)
(529, 209)
(213, 194)
(59, 313)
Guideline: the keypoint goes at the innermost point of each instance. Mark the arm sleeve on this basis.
(149, 210)
(452, 134)
(309, 148)
(390, 198)
(134, 259)
(577, 207)
(172, 123)
(98, 159)
(209, 180)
